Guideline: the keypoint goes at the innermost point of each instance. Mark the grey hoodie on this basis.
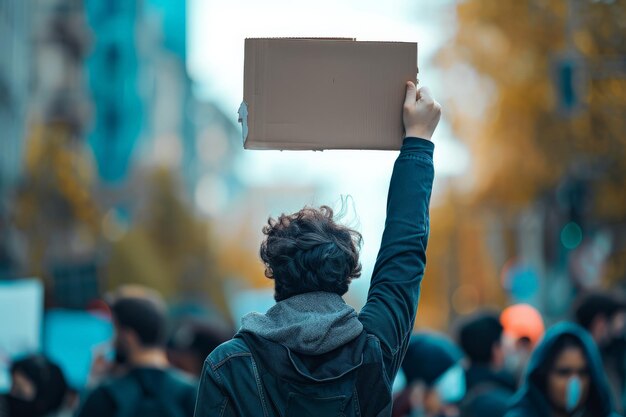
(312, 323)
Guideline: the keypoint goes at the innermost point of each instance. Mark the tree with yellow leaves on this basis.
(540, 101)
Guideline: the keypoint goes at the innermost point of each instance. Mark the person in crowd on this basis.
(603, 314)
(192, 341)
(435, 378)
(523, 327)
(150, 387)
(564, 378)
(489, 385)
(311, 354)
(38, 388)
(480, 336)
(109, 362)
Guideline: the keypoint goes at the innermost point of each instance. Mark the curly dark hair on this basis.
(309, 251)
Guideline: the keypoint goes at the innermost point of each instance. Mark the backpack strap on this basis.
(370, 379)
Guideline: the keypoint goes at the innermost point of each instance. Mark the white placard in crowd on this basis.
(21, 314)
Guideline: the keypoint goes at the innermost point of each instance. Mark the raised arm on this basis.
(394, 290)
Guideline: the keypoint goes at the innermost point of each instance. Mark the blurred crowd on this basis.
(490, 364)
(508, 364)
(147, 358)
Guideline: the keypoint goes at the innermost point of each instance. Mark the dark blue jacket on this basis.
(239, 377)
(531, 401)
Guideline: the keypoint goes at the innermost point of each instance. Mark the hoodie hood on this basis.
(313, 323)
(530, 397)
(312, 349)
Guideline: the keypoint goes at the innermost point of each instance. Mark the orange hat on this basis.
(522, 320)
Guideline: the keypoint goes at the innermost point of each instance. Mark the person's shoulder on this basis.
(105, 388)
(231, 349)
(181, 378)
(99, 401)
(114, 388)
(234, 346)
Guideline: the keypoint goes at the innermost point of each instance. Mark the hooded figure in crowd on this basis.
(435, 378)
(564, 378)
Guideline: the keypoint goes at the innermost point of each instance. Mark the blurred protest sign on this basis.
(21, 310)
(71, 339)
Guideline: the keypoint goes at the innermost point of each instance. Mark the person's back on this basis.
(150, 392)
(312, 354)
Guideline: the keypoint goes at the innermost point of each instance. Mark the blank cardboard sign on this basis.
(315, 94)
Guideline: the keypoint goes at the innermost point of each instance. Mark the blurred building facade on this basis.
(103, 132)
(163, 157)
(15, 43)
(141, 90)
(54, 209)
(14, 89)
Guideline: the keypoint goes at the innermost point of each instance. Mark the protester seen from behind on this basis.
(311, 354)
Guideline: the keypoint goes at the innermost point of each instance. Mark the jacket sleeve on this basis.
(211, 400)
(389, 312)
